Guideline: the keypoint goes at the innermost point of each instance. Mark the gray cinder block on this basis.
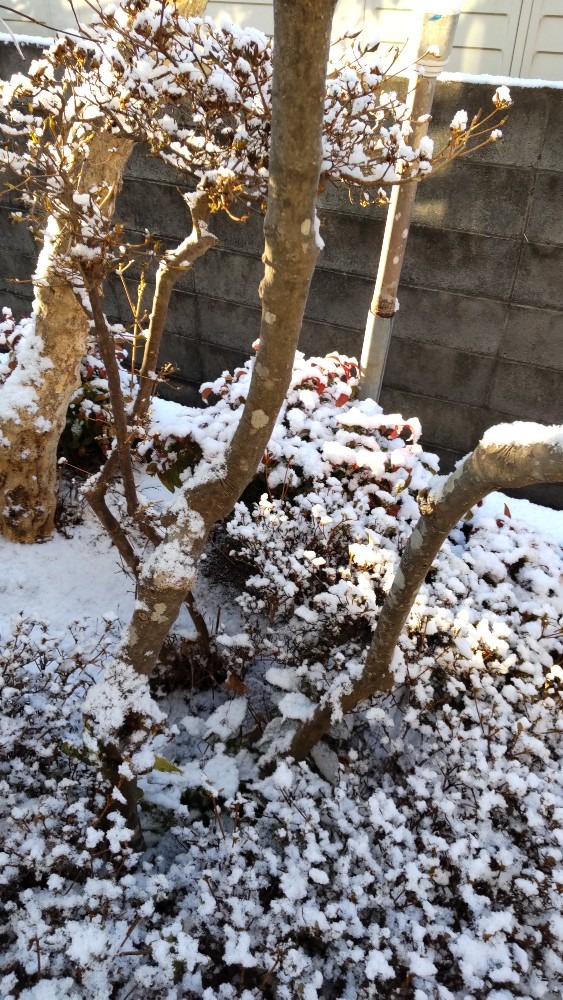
(532, 393)
(545, 224)
(449, 319)
(539, 281)
(439, 371)
(533, 336)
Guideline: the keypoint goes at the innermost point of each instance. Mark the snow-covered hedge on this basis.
(419, 857)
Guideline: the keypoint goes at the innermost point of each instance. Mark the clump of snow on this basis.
(296, 706)
(459, 121)
(501, 97)
(227, 719)
(521, 433)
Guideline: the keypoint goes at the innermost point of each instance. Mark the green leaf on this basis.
(170, 478)
(75, 753)
(161, 764)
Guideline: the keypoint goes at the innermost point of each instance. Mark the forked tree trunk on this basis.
(34, 400)
(302, 35)
(509, 456)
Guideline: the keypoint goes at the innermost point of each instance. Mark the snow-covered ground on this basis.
(68, 579)
(65, 579)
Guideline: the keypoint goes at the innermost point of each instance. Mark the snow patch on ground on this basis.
(64, 579)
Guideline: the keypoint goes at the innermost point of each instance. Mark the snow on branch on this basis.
(199, 94)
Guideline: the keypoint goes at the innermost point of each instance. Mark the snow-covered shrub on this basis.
(10, 333)
(423, 862)
(431, 864)
(339, 481)
(429, 867)
(412, 876)
(64, 842)
(44, 678)
(89, 415)
(89, 419)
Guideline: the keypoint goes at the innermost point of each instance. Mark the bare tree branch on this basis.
(122, 430)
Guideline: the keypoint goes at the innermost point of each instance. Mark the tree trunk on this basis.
(499, 461)
(34, 400)
(435, 33)
(302, 33)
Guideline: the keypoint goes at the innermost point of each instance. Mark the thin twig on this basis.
(123, 445)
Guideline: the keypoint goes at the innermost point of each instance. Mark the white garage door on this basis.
(508, 37)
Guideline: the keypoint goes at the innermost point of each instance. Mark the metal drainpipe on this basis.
(436, 30)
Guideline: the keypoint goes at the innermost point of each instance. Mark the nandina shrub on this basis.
(321, 545)
(89, 415)
(89, 433)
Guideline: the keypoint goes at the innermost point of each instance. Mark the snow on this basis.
(227, 719)
(498, 80)
(296, 706)
(442, 7)
(222, 775)
(524, 433)
(437, 867)
(544, 520)
(336, 857)
(64, 580)
(459, 121)
(19, 391)
(502, 95)
(41, 41)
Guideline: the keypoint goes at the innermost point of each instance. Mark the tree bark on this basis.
(174, 263)
(302, 33)
(49, 372)
(122, 446)
(434, 33)
(490, 467)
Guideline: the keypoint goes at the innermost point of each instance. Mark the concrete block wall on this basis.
(480, 331)
(479, 335)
